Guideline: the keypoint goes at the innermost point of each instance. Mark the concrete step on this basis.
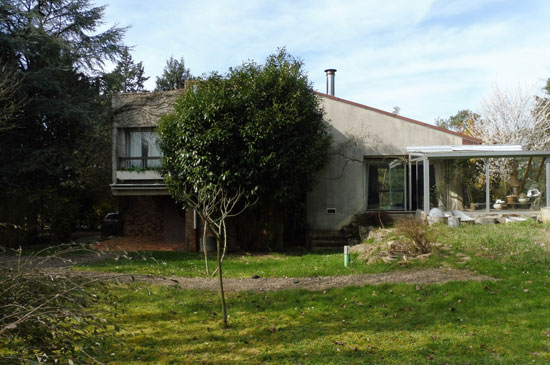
(326, 240)
(328, 243)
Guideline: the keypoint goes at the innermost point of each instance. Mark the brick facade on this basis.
(159, 216)
(142, 216)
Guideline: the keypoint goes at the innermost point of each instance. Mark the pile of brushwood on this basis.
(45, 311)
(410, 239)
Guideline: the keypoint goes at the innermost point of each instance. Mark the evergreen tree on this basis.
(174, 76)
(60, 138)
(126, 77)
(460, 122)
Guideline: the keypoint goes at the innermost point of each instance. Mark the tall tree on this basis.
(174, 76)
(514, 116)
(58, 56)
(460, 122)
(255, 133)
(126, 77)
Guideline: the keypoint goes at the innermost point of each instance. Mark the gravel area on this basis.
(427, 276)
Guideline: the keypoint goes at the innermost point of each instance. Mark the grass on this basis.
(501, 322)
(241, 265)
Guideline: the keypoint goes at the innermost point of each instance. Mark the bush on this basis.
(376, 219)
(44, 311)
(417, 231)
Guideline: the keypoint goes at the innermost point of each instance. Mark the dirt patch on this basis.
(428, 276)
(139, 243)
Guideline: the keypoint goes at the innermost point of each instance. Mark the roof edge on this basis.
(462, 135)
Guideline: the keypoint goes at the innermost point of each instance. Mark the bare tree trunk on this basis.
(204, 246)
(540, 169)
(526, 174)
(220, 276)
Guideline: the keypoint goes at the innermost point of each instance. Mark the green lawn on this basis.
(502, 322)
(238, 265)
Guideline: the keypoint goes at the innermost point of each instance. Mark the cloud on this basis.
(430, 57)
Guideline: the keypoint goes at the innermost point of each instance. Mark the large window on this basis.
(385, 184)
(138, 148)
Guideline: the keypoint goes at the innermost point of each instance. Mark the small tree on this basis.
(174, 76)
(256, 133)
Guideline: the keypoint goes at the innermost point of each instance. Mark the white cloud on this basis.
(431, 58)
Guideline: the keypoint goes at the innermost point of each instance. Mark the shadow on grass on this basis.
(466, 322)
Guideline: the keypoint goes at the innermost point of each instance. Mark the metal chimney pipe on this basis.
(330, 80)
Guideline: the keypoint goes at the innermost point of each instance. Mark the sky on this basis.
(430, 58)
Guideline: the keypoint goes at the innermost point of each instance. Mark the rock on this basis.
(434, 220)
(420, 215)
(453, 221)
(486, 220)
(436, 213)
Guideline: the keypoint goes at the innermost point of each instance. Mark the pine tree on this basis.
(174, 76)
(126, 77)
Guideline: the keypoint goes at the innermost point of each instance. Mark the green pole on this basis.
(346, 256)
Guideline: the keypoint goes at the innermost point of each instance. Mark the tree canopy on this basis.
(258, 127)
(256, 132)
(127, 76)
(58, 146)
(460, 122)
(174, 75)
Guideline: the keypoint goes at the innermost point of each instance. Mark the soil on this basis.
(138, 243)
(426, 276)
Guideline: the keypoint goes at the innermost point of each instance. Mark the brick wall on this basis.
(143, 216)
(154, 216)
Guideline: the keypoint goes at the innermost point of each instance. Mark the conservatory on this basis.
(487, 178)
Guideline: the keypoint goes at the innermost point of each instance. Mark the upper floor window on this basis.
(138, 148)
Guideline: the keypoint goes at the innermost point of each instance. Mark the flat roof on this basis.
(478, 154)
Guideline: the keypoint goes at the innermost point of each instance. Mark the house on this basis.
(146, 205)
(368, 170)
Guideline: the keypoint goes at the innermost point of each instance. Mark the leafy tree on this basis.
(174, 76)
(460, 122)
(126, 77)
(45, 183)
(255, 133)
